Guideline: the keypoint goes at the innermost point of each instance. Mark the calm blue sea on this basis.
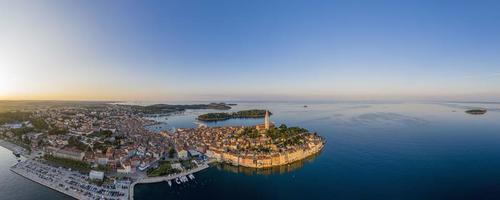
(373, 151)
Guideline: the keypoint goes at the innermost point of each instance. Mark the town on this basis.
(100, 151)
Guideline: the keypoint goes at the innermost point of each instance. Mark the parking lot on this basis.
(71, 183)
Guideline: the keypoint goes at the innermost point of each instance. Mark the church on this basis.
(267, 124)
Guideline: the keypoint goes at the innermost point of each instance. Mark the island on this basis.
(212, 117)
(480, 111)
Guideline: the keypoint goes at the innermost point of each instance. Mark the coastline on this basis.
(269, 161)
(13, 147)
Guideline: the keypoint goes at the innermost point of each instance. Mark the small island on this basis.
(476, 111)
(212, 117)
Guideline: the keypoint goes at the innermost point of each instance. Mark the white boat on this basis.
(177, 181)
(191, 176)
(169, 183)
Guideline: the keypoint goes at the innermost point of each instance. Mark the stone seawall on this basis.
(271, 161)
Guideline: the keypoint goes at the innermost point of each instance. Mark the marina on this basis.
(177, 178)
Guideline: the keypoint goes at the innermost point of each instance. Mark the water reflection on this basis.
(388, 119)
(267, 171)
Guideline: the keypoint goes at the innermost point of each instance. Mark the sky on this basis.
(249, 50)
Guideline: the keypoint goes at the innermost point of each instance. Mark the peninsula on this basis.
(211, 117)
(259, 146)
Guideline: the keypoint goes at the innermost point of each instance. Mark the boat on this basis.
(169, 183)
(177, 181)
(191, 176)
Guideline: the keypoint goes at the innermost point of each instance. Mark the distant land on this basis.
(211, 117)
(476, 111)
(167, 108)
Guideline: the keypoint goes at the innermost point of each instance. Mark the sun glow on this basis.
(5, 85)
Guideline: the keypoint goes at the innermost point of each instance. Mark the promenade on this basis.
(45, 183)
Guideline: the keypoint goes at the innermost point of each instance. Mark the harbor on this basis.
(177, 178)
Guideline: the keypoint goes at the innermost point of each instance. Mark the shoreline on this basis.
(269, 161)
(13, 147)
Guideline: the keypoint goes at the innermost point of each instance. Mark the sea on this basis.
(374, 150)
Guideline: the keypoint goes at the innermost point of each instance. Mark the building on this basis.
(183, 154)
(194, 153)
(96, 175)
(125, 168)
(267, 123)
(67, 153)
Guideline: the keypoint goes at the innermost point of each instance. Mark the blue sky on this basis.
(250, 50)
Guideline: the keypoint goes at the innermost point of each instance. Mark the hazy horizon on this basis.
(249, 51)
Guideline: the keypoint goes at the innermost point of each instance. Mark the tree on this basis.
(283, 127)
(171, 152)
(39, 124)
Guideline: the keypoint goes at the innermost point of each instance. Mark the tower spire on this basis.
(266, 120)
